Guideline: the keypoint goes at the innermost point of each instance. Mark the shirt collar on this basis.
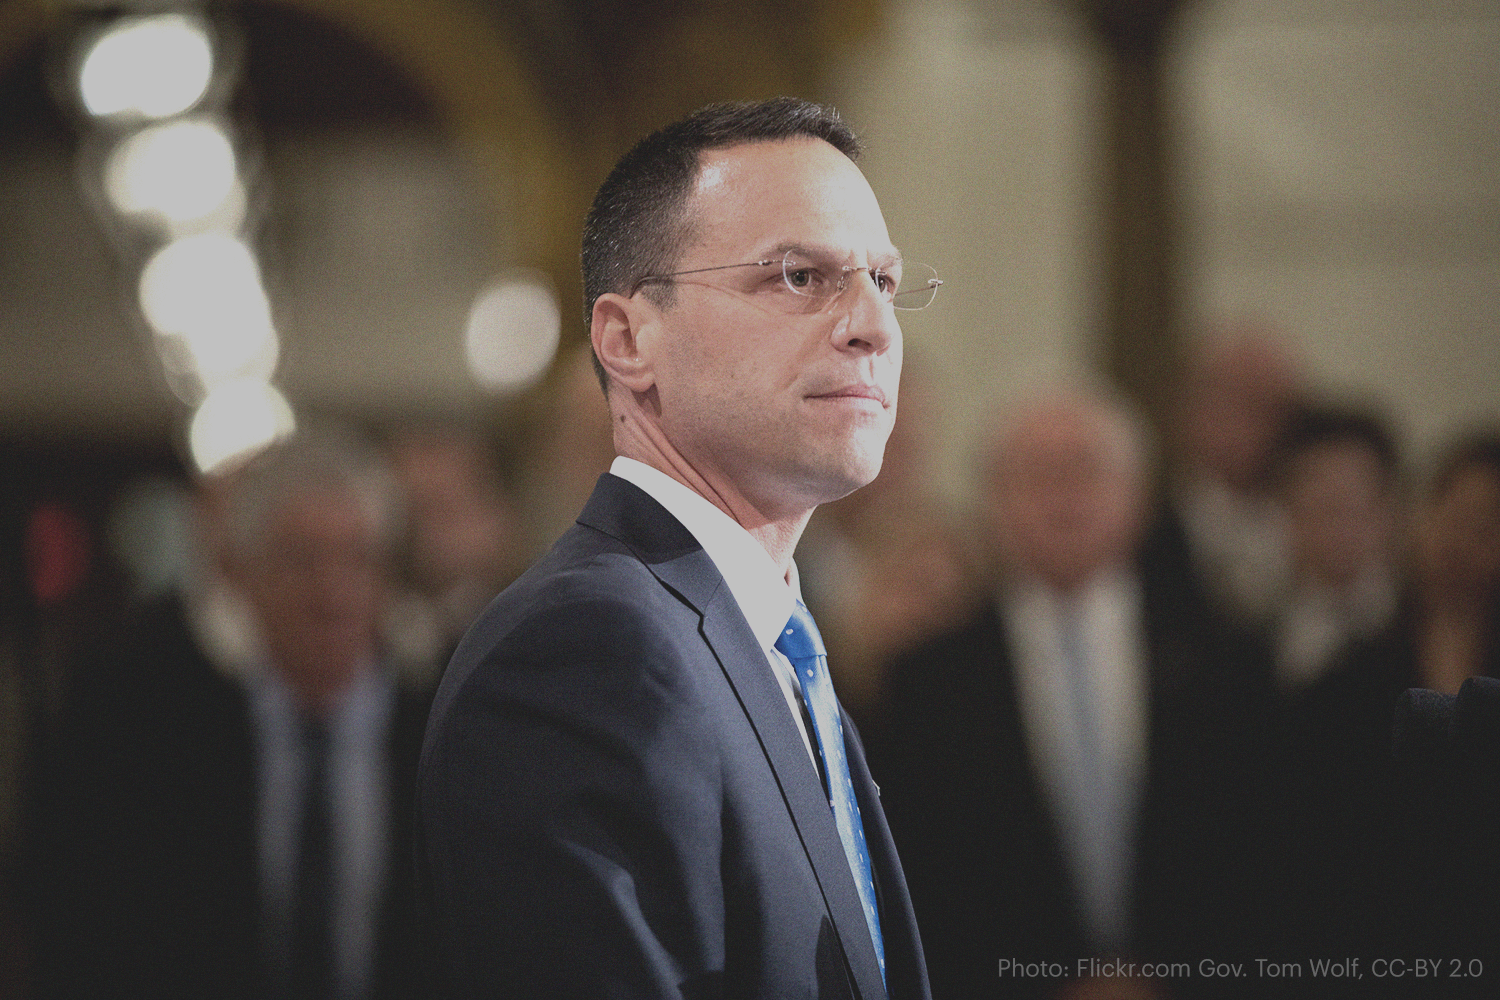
(765, 597)
(1028, 596)
(359, 707)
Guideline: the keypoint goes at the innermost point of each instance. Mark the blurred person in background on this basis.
(1062, 782)
(57, 591)
(1219, 540)
(243, 832)
(1338, 476)
(1382, 866)
(1456, 614)
(461, 547)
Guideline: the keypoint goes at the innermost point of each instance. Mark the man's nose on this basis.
(867, 320)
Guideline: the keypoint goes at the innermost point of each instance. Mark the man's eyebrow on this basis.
(879, 259)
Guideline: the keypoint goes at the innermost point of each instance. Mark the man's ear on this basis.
(615, 330)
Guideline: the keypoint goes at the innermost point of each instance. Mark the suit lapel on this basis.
(679, 562)
(744, 664)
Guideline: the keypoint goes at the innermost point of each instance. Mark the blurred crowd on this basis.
(1135, 702)
(1161, 731)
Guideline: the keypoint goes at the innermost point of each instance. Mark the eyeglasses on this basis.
(805, 282)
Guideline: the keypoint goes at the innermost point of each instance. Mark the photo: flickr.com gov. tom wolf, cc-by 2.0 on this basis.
(1411, 969)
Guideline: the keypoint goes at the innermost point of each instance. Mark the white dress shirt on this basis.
(1087, 739)
(1318, 621)
(765, 596)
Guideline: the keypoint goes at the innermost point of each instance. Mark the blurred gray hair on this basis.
(322, 458)
(1127, 436)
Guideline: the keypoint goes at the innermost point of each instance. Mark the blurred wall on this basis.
(1336, 175)
(1336, 179)
(1340, 171)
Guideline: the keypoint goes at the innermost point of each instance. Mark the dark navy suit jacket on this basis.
(614, 800)
(141, 868)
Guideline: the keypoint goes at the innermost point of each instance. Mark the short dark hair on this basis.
(1315, 425)
(635, 226)
(1479, 448)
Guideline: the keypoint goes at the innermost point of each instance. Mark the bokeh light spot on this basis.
(152, 66)
(513, 330)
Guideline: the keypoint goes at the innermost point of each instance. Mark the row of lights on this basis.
(150, 84)
(153, 87)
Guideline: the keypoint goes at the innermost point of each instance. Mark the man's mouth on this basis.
(855, 390)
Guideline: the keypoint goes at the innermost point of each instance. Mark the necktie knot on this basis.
(800, 639)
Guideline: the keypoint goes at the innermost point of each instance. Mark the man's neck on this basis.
(779, 538)
(319, 691)
(777, 532)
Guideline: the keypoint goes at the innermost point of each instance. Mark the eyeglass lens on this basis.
(820, 280)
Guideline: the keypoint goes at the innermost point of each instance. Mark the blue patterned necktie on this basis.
(801, 643)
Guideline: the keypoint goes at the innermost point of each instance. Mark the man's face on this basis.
(1067, 499)
(1239, 400)
(790, 410)
(1342, 513)
(316, 587)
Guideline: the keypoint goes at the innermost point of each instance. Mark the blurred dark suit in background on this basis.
(997, 848)
(167, 850)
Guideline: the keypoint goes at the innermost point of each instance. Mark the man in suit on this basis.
(1060, 774)
(241, 829)
(636, 781)
(1218, 541)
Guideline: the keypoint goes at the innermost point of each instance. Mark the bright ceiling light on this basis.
(236, 420)
(203, 296)
(152, 66)
(512, 333)
(180, 173)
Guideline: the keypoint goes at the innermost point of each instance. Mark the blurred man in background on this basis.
(461, 546)
(1337, 475)
(1219, 542)
(1060, 782)
(244, 832)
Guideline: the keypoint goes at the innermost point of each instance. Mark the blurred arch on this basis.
(475, 77)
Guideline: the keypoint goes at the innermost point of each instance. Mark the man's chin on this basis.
(843, 478)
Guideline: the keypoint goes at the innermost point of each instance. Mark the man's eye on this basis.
(803, 279)
(885, 281)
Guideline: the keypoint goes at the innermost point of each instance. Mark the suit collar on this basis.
(629, 515)
(626, 513)
(763, 592)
